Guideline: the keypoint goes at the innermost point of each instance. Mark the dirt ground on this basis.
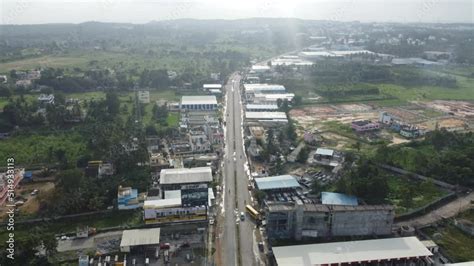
(447, 123)
(458, 108)
(31, 204)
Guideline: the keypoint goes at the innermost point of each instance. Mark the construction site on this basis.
(333, 122)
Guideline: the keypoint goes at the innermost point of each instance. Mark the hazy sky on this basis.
(142, 11)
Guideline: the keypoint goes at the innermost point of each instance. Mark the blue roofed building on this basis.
(331, 198)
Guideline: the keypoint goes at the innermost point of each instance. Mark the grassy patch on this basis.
(398, 187)
(457, 245)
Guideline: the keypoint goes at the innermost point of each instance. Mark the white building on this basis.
(393, 251)
(46, 99)
(139, 238)
(261, 68)
(266, 118)
(211, 86)
(272, 98)
(144, 96)
(261, 88)
(202, 103)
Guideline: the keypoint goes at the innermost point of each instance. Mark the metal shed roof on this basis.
(326, 152)
(331, 198)
(351, 251)
(186, 175)
(276, 182)
(203, 99)
(140, 237)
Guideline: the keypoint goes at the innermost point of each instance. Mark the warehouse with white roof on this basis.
(395, 251)
(198, 103)
(266, 118)
(186, 175)
(139, 238)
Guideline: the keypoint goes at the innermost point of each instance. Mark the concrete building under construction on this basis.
(297, 220)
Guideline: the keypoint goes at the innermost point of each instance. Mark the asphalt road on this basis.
(237, 245)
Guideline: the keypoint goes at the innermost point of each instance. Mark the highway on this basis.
(236, 245)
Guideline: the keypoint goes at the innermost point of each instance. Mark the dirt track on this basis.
(446, 211)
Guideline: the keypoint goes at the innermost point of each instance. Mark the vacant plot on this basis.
(31, 205)
(407, 195)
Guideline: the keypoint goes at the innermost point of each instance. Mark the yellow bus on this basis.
(253, 212)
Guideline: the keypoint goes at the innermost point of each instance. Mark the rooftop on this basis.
(265, 115)
(162, 203)
(262, 106)
(351, 251)
(186, 175)
(362, 122)
(140, 237)
(212, 86)
(202, 99)
(276, 182)
(331, 198)
(263, 87)
(325, 152)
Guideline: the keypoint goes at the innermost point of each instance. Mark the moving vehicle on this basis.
(242, 216)
(253, 213)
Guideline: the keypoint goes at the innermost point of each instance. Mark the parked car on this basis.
(165, 245)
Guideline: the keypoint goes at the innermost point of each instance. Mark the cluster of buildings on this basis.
(181, 195)
(26, 78)
(394, 123)
(200, 128)
(263, 102)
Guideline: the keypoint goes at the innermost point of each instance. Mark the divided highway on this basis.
(236, 238)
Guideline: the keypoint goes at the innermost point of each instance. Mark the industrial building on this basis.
(273, 183)
(262, 88)
(196, 103)
(272, 98)
(139, 238)
(297, 220)
(389, 251)
(261, 107)
(266, 118)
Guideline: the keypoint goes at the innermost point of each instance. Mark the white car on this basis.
(211, 221)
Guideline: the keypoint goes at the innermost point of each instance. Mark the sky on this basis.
(143, 11)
